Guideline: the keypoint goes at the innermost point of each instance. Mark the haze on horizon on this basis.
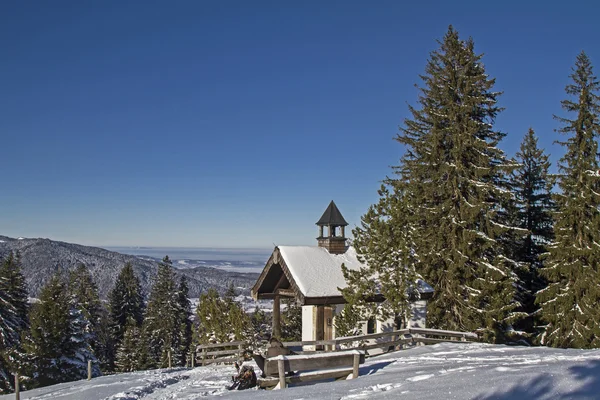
(234, 124)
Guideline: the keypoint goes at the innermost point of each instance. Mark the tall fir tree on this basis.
(125, 302)
(128, 355)
(57, 343)
(533, 205)
(161, 321)
(184, 317)
(84, 297)
(14, 319)
(383, 243)
(570, 302)
(452, 181)
(220, 320)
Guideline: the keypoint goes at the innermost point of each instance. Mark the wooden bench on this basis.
(310, 367)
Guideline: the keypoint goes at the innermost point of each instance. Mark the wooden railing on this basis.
(396, 338)
(234, 351)
(210, 353)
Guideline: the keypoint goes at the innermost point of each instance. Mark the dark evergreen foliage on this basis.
(384, 244)
(532, 210)
(125, 303)
(162, 319)
(184, 339)
(570, 302)
(128, 357)
(220, 320)
(291, 321)
(443, 211)
(14, 320)
(85, 298)
(57, 346)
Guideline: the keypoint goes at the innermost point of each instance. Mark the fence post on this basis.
(89, 369)
(281, 371)
(17, 388)
(193, 361)
(240, 353)
(203, 356)
(355, 364)
(169, 357)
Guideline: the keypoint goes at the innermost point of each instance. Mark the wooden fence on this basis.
(390, 339)
(229, 352)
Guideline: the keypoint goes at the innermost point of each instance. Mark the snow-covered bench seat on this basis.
(310, 367)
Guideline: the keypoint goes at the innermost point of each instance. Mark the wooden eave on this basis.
(269, 285)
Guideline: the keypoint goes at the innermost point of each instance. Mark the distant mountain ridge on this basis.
(42, 258)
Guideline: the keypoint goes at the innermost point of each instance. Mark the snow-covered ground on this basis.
(442, 371)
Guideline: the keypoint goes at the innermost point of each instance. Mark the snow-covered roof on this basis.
(313, 271)
(317, 272)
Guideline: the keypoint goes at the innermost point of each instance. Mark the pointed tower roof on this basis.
(332, 216)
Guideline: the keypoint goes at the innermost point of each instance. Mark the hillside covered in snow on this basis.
(442, 371)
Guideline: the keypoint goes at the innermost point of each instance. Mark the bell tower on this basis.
(333, 240)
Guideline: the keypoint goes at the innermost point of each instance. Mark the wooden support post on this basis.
(203, 357)
(193, 361)
(169, 357)
(281, 371)
(89, 370)
(320, 326)
(355, 364)
(240, 353)
(17, 388)
(277, 317)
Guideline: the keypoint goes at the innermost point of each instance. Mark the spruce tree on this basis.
(14, 320)
(570, 302)
(384, 244)
(128, 357)
(532, 186)
(125, 302)
(261, 326)
(184, 339)
(451, 185)
(162, 318)
(85, 298)
(57, 342)
(220, 320)
(291, 321)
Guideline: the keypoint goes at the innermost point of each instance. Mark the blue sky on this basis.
(233, 124)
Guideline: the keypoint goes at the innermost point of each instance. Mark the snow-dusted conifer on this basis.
(532, 210)
(220, 320)
(383, 242)
(453, 178)
(291, 321)
(127, 358)
(161, 321)
(126, 301)
(85, 298)
(184, 339)
(49, 344)
(14, 319)
(570, 301)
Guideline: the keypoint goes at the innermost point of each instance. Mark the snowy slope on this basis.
(443, 371)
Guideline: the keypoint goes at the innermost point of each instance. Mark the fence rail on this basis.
(235, 351)
(398, 337)
(213, 353)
